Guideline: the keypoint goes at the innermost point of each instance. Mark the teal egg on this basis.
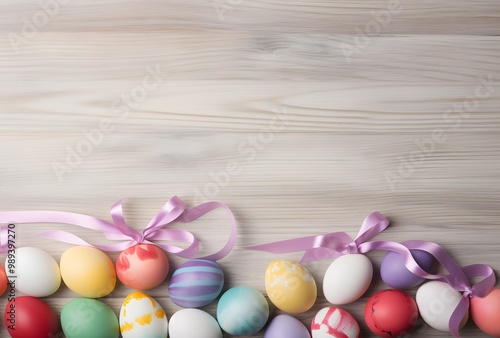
(89, 318)
(242, 311)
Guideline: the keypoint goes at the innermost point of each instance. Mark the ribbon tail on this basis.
(67, 237)
(316, 248)
(458, 315)
(286, 246)
(62, 217)
(318, 254)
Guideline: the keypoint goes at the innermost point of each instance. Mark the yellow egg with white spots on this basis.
(88, 272)
(290, 286)
(141, 316)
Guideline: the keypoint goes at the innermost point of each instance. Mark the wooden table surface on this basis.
(302, 116)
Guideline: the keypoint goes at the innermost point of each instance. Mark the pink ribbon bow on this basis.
(329, 245)
(118, 230)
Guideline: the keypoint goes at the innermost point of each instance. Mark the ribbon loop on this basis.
(373, 224)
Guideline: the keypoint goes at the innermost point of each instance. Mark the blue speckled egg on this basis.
(196, 283)
(242, 311)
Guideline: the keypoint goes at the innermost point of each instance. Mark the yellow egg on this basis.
(290, 286)
(88, 272)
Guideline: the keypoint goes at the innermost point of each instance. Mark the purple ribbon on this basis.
(458, 278)
(330, 245)
(118, 230)
(336, 244)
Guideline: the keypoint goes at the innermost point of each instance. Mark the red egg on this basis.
(485, 312)
(142, 266)
(3, 280)
(27, 316)
(390, 313)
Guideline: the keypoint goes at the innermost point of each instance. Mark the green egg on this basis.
(89, 318)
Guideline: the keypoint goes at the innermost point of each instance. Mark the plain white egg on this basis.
(347, 278)
(189, 323)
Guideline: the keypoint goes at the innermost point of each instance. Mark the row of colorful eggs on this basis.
(140, 316)
(241, 311)
(290, 287)
(90, 273)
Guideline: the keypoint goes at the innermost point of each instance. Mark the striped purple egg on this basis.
(196, 283)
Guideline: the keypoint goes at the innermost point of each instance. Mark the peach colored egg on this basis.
(485, 313)
(142, 266)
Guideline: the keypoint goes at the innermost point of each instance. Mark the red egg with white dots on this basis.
(142, 266)
(391, 313)
(334, 322)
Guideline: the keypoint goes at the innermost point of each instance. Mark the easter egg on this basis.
(196, 283)
(31, 317)
(395, 274)
(347, 278)
(285, 326)
(37, 272)
(142, 316)
(193, 323)
(88, 318)
(88, 272)
(485, 312)
(142, 266)
(242, 311)
(290, 286)
(3, 280)
(333, 322)
(391, 313)
(436, 302)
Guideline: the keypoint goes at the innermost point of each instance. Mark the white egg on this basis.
(37, 273)
(189, 323)
(141, 316)
(347, 278)
(436, 302)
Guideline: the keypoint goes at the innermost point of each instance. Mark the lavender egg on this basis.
(196, 283)
(395, 274)
(285, 326)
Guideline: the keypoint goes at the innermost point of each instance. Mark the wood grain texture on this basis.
(325, 116)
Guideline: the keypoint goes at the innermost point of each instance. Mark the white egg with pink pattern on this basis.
(333, 322)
